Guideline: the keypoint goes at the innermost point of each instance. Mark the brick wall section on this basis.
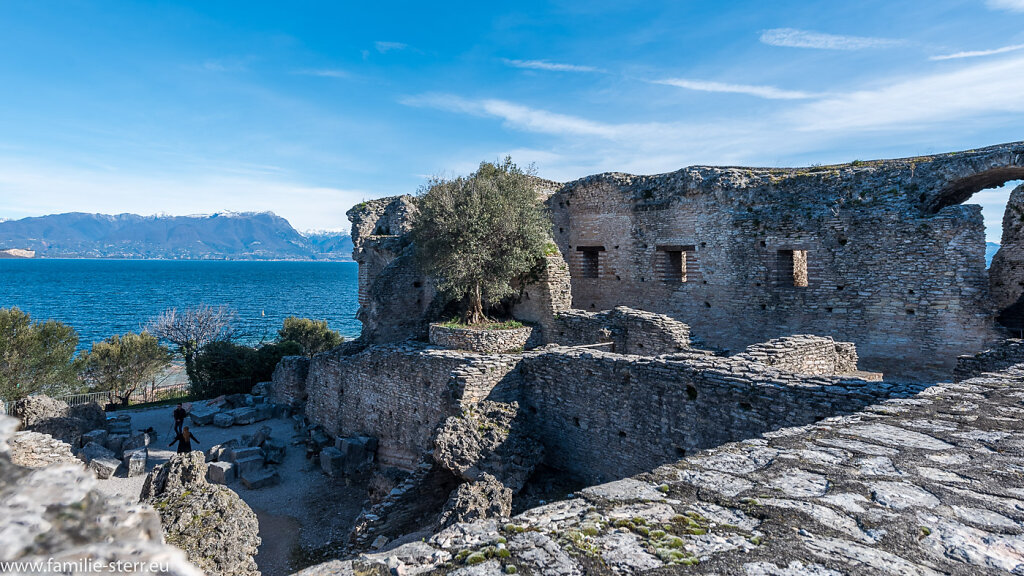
(546, 294)
(999, 357)
(805, 354)
(630, 331)
(400, 393)
(893, 262)
(603, 416)
(288, 384)
(483, 341)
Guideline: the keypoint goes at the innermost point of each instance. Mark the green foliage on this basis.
(122, 363)
(506, 325)
(35, 356)
(224, 367)
(312, 335)
(475, 234)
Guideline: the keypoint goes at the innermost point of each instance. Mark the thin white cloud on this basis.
(993, 87)
(550, 66)
(385, 47)
(769, 92)
(793, 38)
(324, 73)
(977, 53)
(1008, 5)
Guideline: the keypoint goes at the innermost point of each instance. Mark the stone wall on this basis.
(878, 253)
(805, 354)
(916, 486)
(483, 341)
(628, 331)
(1006, 275)
(288, 383)
(401, 393)
(602, 416)
(999, 357)
(396, 301)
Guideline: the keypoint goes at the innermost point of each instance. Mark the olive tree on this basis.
(34, 356)
(313, 335)
(122, 363)
(191, 329)
(475, 234)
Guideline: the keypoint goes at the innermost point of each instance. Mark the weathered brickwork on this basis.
(628, 331)
(893, 263)
(400, 394)
(1006, 276)
(918, 486)
(288, 384)
(999, 357)
(484, 341)
(805, 354)
(602, 416)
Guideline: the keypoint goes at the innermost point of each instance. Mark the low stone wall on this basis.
(602, 416)
(918, 486)
(999, 357)
(400, 393)
(805, 354)
(483, 341)
(630, 331)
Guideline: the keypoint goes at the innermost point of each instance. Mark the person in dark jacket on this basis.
(184, 440)
(179, 418)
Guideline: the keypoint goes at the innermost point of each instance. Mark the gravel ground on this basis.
(306, 508)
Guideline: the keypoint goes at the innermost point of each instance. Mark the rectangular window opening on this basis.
(792, 267)
(674, 260)
(590, 261)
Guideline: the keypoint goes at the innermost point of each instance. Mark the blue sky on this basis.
(307, 108)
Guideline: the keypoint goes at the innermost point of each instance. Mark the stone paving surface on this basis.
(928, 485)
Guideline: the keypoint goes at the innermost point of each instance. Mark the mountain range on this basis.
(221, 236)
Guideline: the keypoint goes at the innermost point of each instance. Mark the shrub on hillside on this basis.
(35, 357)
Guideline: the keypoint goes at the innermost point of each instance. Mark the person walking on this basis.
(184, 440)
(179, 418)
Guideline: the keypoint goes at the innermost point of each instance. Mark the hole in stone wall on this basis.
(532, 409)
(707, 304)
(622, 434)
(764, 306)
(417, 284)
(746, 406)
(829, 309)
(590, 261)
(910, 312)
(680, 452)
(576, 422)
(763, 244)
(840, 288)
(691, 392)
(791, 266)
(673, 262)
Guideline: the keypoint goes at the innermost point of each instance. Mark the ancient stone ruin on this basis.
(676, 318)
(704, 386)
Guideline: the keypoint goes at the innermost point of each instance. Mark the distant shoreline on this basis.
(127, 259)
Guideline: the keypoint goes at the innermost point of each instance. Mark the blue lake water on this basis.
(100, 298)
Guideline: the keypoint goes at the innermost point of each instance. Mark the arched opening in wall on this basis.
(1000, 194)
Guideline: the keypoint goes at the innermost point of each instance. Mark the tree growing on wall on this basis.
(312, 335)
(35, 356)
(122, 363)
(191, 329)
(475, 234)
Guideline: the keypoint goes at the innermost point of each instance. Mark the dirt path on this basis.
(306, 508)
(279, 535)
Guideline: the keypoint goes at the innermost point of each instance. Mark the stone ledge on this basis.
(484, 341)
